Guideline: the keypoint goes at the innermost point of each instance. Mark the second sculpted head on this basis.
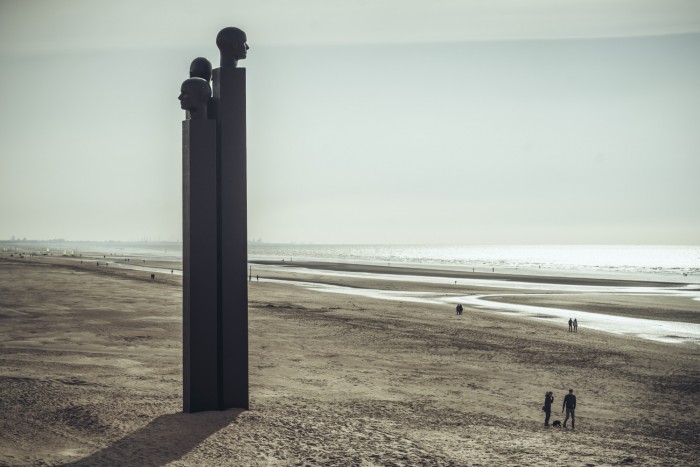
(194, 96)
(232, 43)
(200, 68)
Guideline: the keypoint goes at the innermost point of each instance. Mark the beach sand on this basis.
(91, 375)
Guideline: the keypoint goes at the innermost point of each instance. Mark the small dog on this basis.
(556, 424)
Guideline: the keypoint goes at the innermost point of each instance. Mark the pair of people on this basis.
(573, 325)
(569, 404)
(459, 309)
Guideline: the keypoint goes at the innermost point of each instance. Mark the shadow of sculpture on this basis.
(164, 440)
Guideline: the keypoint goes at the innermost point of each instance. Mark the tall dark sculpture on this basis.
(230, 102)
(215, 256)
(199, 252)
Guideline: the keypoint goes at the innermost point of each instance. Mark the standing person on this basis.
(571, 325)
(575, 325)
(548, 399)
(459, 308)
(570, 405)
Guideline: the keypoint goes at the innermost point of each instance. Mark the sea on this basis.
(673, 263)
(652, 262)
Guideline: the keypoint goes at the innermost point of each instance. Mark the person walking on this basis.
(575, 325)
(570, 405)
(571, 325)
(547, 407)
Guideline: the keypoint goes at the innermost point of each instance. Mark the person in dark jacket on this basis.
(570, 406)
(548, 399)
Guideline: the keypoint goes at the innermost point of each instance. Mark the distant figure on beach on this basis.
(571, 325)
(547, 407)
(153, 277)
(459, 308)
(257, 278)
(575, 325)
(570, 405)
(98, 263)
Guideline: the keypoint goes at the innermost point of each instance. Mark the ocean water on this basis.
(678, 263)
(629, 261)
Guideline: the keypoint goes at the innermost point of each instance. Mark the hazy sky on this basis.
(494, 121)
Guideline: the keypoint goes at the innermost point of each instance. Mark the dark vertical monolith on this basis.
(230, 102)
(215, 250)
(199, 260)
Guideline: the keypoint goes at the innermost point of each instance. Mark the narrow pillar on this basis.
(199, 260)
(199, 249)
(229, 98)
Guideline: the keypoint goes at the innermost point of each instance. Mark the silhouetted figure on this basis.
(232, 43)
(547, 407)
(257, 278)
(153, 277)
(575, 325)
(570, 405)
(571, 325)
(459, 308)
(98, 263)
(194, 97)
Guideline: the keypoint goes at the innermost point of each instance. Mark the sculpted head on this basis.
(200, 68)
(194, 96)
(232, 45)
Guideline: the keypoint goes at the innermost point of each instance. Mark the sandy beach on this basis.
(91, 374)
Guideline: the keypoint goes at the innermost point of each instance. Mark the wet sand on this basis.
(399, 269)
(91, 375)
